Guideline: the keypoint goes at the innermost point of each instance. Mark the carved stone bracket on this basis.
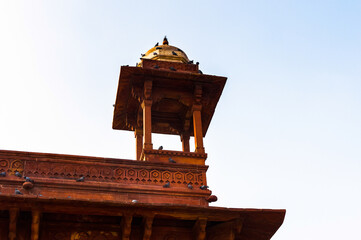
(147, 227)
(148, 89)
(137, 94)
(237, 227)
(126, 226)
(199, 229)
(230, 230)
(197, 94)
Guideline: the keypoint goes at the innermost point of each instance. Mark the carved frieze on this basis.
(137, 174)
(11, 165)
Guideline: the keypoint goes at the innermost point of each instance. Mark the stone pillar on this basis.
(147, 115)
(197, 126)
(138, 133)
(13, 214)
(197, 119)
(147, 124)
(35, 225)
(185, 142)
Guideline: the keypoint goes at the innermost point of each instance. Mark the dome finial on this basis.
(165, 40)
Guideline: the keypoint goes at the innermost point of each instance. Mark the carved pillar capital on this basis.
(138, 131)
(197, 107)
(146, 103)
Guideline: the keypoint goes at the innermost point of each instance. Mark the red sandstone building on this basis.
(162, 195)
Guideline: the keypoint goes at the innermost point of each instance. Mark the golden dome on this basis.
(166, 52)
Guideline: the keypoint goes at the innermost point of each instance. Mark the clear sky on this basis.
(286, 132)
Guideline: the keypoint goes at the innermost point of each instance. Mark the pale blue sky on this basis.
(286, 132)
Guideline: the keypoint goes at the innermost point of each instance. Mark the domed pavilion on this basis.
(161, 195)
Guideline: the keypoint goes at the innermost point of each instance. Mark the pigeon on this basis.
(190, 62)
(155, 53)
(199, 71)
(158, 48)
(173, 69)
(203, 187)
(171, 160)
(113, 105)
(18, 174)
(3, 174)
(156, 44)
(81, 179)
(156, 66)
(27, 179)
(190, 186)
(179, 50)
(18, 192)
(160, 148)
(143, 55)
(174, 53)
(134, 201)
(167, 185)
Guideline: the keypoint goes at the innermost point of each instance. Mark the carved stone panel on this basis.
(93, 173)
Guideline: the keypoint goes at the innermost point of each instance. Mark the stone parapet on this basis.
(121, 180)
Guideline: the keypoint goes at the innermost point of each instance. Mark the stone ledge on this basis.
(162, 156)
